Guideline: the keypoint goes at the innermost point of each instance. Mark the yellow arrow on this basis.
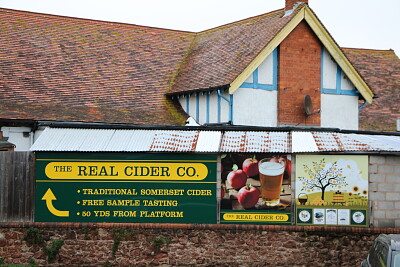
(49, 197)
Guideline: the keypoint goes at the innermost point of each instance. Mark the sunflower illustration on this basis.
(355, 189)
(350, 194)
(365, 192)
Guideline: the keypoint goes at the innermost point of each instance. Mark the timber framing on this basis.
(308, 15)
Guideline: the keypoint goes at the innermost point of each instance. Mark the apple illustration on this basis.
(248, 196)
(287, 162)
(280, 160)
(288, 167)
(250, 166)
(237, 178)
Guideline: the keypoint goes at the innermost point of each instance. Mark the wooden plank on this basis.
(2, 187)
(31, 188)
(17, 186)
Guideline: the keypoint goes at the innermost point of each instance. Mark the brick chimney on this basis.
(289, 4)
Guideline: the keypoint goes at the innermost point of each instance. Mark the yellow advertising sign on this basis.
(126, 171)
(254, 217)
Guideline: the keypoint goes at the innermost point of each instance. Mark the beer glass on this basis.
(271, 176)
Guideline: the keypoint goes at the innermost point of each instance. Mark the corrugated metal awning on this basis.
(139, 140)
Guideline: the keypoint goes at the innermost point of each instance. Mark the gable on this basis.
(305, 14)
(219, 55)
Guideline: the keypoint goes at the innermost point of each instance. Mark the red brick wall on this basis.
(299, 75)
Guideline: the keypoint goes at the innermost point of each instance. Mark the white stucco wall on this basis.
(329, 70)
(266, 71)
(346, 83)
(255, 107)
(213, 107)
(340, 111)
(16, 136)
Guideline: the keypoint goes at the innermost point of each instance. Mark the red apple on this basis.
(248, 196)
(280, 160)
(250, 166)
(286, 162)
(237, 178)
(288, 167)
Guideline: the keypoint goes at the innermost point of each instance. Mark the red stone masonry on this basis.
(252, 227)
(88, 244)
(299, 75)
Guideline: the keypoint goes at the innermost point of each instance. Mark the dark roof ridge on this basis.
(239, 21)
(91, 20)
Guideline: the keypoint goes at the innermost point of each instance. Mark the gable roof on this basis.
(247, 44)
(68, 69)
(60, 68)
(217, 56)
(381, 70)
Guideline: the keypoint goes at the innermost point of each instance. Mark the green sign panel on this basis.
(126, 187)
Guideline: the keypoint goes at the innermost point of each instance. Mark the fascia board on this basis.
(267, 51)
(338, 55)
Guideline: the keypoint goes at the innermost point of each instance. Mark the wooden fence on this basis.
(17, 186)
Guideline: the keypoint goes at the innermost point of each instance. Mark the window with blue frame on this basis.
(266, 75)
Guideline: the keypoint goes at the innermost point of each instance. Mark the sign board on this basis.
(126, 187)
(247, 192)
(332, 190)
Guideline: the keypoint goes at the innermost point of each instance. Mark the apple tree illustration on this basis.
(321, 176)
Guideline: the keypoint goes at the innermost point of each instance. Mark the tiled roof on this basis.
(60, 68)
(219, 55)
(69, 69)
(381, 70)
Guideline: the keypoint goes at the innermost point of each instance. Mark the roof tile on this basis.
(381, 70)
(60, 68)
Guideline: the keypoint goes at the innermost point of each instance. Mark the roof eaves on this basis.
(219, 87)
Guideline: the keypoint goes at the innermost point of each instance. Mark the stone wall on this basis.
(187, 245)
(384, 190)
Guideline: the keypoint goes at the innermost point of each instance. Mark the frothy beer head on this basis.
(270, 168)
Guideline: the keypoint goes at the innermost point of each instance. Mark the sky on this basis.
(370, 24)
